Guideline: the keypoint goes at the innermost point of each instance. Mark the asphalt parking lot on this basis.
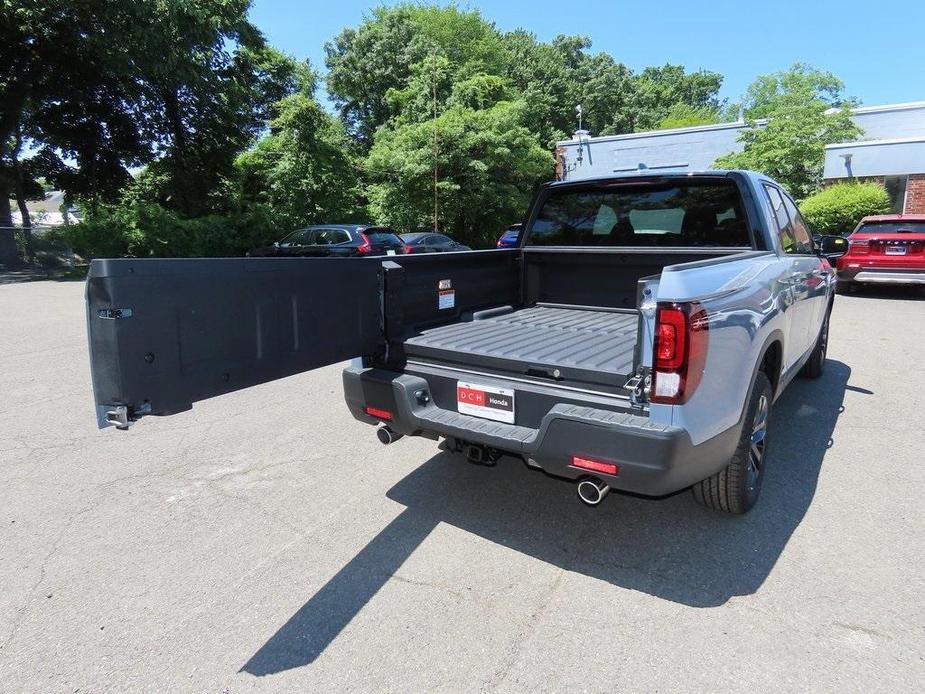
(266, 541)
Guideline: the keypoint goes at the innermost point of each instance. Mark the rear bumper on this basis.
(653, 459)
(879, 275)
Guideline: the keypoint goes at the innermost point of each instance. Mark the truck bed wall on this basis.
(518, 277)
(598, 276)
(478, 279)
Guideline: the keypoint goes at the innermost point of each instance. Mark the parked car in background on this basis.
(337, 240)
(431, 242)
(884, 249)
(511, 236)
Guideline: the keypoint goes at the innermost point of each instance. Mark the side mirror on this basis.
(833, 247)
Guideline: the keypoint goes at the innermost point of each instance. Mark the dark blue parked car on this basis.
(511, 236)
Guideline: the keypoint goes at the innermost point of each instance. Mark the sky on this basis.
(877, 50)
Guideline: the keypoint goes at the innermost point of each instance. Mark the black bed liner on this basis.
(584, 344)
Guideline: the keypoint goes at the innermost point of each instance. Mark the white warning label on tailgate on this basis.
(446, 298)
(485, 401)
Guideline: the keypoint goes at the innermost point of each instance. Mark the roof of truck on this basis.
(651, 173)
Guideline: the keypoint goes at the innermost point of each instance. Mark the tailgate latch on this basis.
(114, 313)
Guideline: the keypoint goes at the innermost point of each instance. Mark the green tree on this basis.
(488, 165)
(684, 116)
(791, 146)
(64, 86)
(770, 92)
(659, 89)
(365, 63)
(99, 86)
(838, 208)
(555, 77)
(305, 170)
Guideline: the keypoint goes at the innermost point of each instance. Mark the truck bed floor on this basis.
(583, 343)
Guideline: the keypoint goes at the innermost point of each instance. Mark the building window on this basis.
(896, 188)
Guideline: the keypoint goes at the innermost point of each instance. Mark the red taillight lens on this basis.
(366, 246)
(380, 414)
(859, 247)
(680, 352)
(669, 338)
(409, 249)
(596, 465)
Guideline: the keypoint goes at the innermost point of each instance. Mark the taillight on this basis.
(409, 249)
(379, 414)
(860, 247)
(680, 352)
(366, 246)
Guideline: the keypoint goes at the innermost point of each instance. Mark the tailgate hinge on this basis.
(638, 386)
(120, 416)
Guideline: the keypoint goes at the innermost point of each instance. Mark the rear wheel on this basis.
(814, 367)
(843, 287)
(735, 488)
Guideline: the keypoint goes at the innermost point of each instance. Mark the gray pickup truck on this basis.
(635, 339)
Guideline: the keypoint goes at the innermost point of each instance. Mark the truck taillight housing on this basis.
(366, 247)
(680, 352)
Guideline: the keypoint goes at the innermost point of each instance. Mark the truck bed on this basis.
(585, 344)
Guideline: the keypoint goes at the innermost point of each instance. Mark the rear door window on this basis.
(803, 240)
(327, 237)
(667, 212)
(302, 237)
(782, 219)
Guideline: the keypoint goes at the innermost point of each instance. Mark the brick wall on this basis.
(915, 194)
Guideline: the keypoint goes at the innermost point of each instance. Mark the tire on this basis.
(735, 488)
(843, 287)
(815, 365)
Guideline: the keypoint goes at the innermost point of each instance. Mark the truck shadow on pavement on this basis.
(669, 548)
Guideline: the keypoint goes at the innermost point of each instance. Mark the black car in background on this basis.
(431, 242)
(335, 240)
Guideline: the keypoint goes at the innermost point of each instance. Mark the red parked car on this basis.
(884, 249)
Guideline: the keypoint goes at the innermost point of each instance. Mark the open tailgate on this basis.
(165, 333)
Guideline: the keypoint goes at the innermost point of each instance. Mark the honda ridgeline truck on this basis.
(636, 337)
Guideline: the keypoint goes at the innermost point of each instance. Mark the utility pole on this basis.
(434, 85)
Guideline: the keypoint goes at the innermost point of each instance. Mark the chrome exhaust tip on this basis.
(387, 436)
(592, 490)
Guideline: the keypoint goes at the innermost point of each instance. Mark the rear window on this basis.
(382, 236)
(327, 237)
(301, 237)
(892, 228)
(661, 213)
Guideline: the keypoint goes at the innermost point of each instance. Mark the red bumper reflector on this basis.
(381, 414)
(584, 463)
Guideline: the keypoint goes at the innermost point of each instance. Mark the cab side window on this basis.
(784, 228)
(801, 235)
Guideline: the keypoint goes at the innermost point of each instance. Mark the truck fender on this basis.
(776, 336)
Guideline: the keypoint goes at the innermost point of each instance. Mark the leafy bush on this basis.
(145, 229)
(838, 208)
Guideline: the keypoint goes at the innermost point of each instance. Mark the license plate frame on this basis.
(485, 402)
(895, 250)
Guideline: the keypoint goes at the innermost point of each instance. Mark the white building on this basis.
(891, 150)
